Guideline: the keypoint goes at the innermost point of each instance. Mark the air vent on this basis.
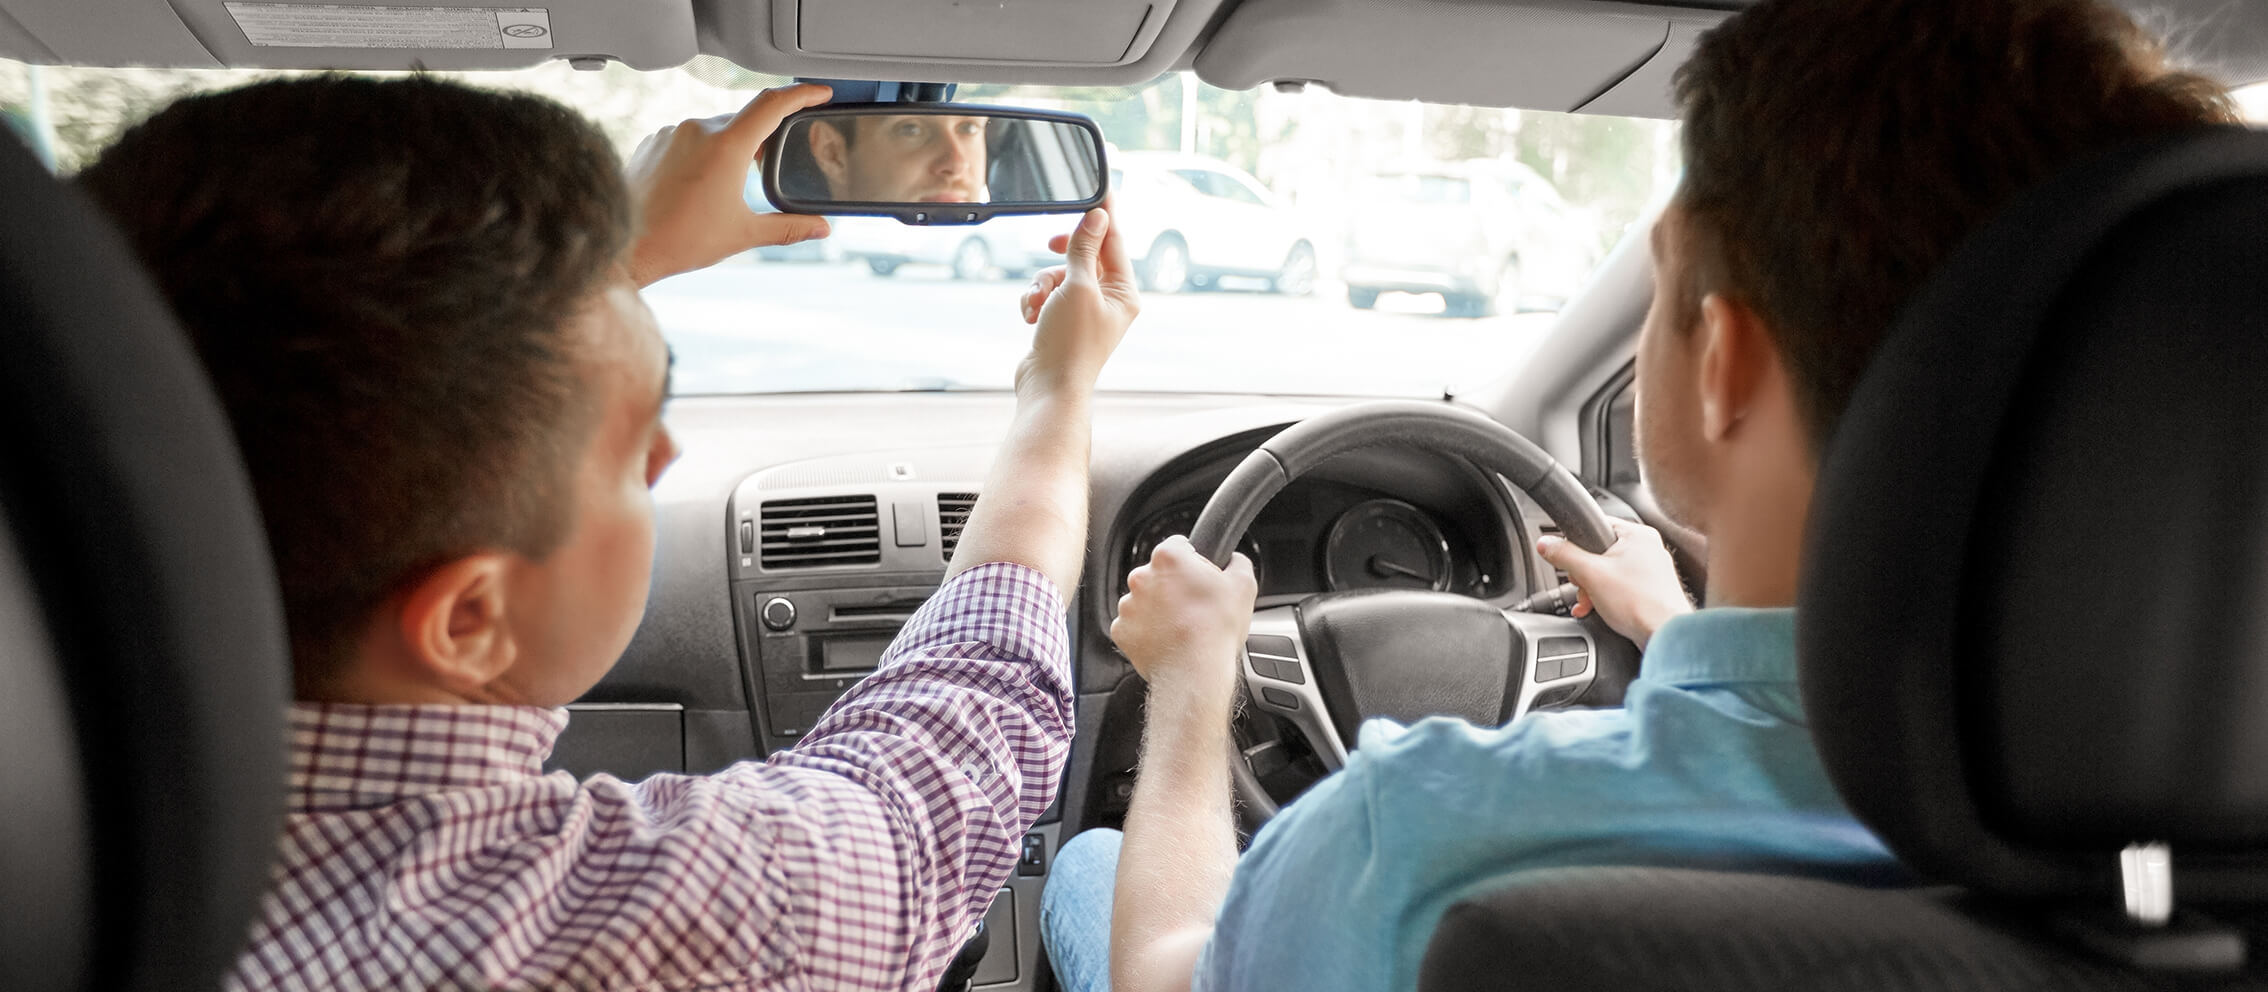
(952, 515)
(812, 533)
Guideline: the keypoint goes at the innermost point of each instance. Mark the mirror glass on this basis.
(891, 158)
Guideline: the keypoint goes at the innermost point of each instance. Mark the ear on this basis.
(453, 624)
(832, 154)
(1737, 356)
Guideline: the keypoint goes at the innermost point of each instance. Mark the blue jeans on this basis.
(1075, 911)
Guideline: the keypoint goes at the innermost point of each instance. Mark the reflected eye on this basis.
(907, 129)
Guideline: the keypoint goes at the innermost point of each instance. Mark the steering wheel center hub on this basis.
(1406, 655)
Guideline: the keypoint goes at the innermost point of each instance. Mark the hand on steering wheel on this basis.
(1336, 659)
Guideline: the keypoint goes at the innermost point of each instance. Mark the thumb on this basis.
(1083, 255)
(1565, 556)
(784, 229)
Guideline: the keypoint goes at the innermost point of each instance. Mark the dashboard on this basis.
(799, 532)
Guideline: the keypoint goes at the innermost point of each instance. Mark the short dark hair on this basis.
(1836, 152)
(382, 278)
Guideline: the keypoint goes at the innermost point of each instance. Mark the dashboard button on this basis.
(778, 613)
(1280, 698)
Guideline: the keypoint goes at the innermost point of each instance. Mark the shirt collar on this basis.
(354, 756)
(1723, 644)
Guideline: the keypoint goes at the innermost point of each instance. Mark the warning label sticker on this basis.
(328, 25)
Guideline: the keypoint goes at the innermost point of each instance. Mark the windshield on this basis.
(1288, 242)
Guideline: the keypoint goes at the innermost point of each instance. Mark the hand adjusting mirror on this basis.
(935, 163)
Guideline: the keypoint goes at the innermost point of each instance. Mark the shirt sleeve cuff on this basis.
(1007, 611)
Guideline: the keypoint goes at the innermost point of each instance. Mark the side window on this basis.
(1206, 182)
(1235, 189)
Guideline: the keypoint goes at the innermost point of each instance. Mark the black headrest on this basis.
(2033, 622)
(137, 581)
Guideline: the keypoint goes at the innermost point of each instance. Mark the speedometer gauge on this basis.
(1385, 544)
(1180, 520)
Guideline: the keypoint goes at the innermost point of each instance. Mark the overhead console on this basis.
(1063, 42)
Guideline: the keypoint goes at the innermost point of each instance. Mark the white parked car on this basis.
(1189, 220)
(1011, 245)
(1489, 236)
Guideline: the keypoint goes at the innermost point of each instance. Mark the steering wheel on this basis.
(1338, 658)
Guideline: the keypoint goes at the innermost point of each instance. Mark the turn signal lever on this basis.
(1559, 599)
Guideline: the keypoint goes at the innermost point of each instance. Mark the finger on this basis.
(1123, 602)
(1176, 551)
(1582, 606)
(784, 229)
(763, 115)
(1059, 243)
(1139, 577)
(1239, 566)
(1083, 259)
(1113, 259)
(1043, 285)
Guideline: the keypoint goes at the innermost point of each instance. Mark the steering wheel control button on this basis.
(1279, 697)
(1562, 657)
(1275, 657)
(1271, 645)
(778, 613)
(1561, 647)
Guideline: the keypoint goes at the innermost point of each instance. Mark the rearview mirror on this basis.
(934, 163)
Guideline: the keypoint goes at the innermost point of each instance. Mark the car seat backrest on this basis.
(2032, 634)
(143, 664)
(2033, 617)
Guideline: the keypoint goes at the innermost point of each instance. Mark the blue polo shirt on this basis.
(1708, 764)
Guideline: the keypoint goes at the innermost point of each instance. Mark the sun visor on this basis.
(432, 34)
(1076, 42)
(1645, 92)
(1534, 54)
(98, 32)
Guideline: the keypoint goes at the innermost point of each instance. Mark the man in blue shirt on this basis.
(1835, 153)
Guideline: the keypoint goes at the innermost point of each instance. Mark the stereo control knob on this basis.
(778, 613)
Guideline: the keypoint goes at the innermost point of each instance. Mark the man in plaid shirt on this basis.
(419, 303)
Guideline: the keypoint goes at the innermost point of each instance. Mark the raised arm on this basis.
(1033, 510)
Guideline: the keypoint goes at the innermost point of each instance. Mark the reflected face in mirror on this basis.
(902, 158)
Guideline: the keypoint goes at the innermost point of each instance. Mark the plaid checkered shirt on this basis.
(426, 848)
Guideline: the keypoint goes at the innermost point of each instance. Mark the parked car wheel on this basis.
(1297, 277)
(883, 266)
(1362, 299)
(1166, 268)
(972, 260)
